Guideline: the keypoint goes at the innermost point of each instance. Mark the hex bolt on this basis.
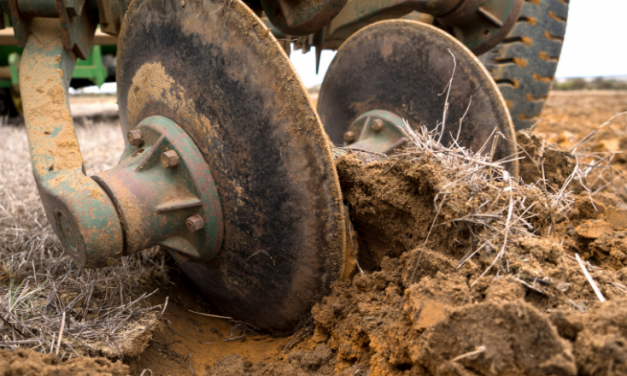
(135, 137)
(169, 159)
(350, 136)
(377, 125)
(195, 223)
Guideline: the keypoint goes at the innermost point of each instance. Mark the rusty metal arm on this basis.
(358, 14)
(7, 38)
(479, 24)
(80, 212)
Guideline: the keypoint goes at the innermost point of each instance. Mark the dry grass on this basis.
(105, 310)
(503, 211)
(499, 210)
(480, 194)
(598, 168)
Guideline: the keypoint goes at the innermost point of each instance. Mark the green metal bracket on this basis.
(91, 68)
(14, 65)
(376, 131)
(79, 210)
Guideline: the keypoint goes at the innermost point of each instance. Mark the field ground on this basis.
(543, 308)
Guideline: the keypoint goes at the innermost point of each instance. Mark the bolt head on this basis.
(195, 223)
(377, 125)
(350, 136)
(135, 137)
(169, 159)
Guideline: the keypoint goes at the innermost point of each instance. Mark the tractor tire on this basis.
(524, 63)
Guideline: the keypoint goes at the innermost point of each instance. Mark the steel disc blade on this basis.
(220, 75)
(404, 67)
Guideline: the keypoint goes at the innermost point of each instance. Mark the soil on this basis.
(434, 317)
(414, 310)
(568, 116)
(189, 343)
(24, 362)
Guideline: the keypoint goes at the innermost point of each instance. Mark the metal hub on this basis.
(164, 192)
(376, 131)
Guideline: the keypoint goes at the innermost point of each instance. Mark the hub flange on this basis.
(376, 131)
(161, 185)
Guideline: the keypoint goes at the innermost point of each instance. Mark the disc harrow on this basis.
(228, 165)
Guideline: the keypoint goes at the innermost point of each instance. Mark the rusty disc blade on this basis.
(222, 77)
(404, 67)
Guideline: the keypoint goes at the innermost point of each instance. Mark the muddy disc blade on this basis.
(404, 67)
(223, 78)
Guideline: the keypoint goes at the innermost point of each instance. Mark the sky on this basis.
(595, 45)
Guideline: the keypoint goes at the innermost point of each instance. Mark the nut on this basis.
(377, 125)
(350, 136)
(195, 223)
(169, 159)
(135, 137)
